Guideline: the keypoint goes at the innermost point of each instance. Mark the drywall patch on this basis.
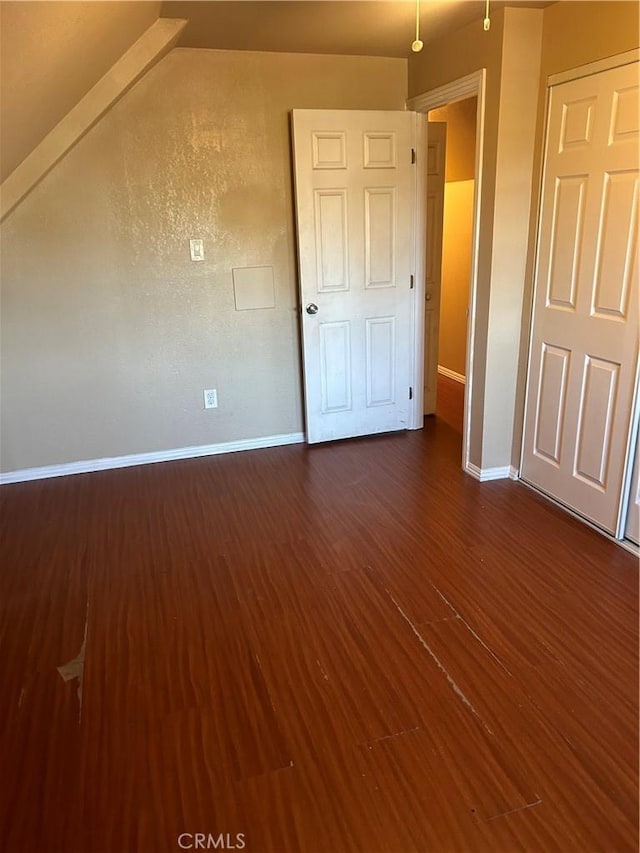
(253, 288)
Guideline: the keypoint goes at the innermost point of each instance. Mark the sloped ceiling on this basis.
(51, 54)
(361, 27)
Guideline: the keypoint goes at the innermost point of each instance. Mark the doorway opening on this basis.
(471, 88)
(454, 231)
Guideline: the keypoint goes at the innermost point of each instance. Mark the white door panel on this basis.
(584, 344)
(335, 366)
(355, 215)
(380, 361)
(330, 213)
(436, 156)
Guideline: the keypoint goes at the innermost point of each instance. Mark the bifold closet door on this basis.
(584, 345)
(632, 526)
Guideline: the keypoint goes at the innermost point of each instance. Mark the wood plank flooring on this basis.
(352, 647)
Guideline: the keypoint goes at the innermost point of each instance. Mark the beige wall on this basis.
(605, 28)
(460, 118)
(109, 332)
(576, 32)
(51, 54)
(512, 199)
(456, 274)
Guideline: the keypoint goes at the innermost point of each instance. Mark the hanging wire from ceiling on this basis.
(487, 19)
(417, 45)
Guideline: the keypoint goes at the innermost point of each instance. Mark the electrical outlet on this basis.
(211, 398)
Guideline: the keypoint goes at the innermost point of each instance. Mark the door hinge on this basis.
(410, 392)
(413, 156)
(411, 282)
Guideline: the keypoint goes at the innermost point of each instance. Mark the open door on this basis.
(436, 157)
(355, 200)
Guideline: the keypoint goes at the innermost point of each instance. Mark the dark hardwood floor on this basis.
(341, 648)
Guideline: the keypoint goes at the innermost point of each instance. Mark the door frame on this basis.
(473, 85)
(605, 64)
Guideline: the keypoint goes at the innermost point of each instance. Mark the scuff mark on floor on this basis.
(75, 668)
(513, 811)
(23, 693)
(459, 693)
(472, 632)
(369, 744)
(324, 674)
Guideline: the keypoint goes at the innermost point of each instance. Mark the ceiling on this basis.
(361, 27)
(53, 51)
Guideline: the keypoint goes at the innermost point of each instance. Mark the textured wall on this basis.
(109, 332)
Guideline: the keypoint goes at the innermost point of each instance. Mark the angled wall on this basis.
(143, 54)
(51, 54)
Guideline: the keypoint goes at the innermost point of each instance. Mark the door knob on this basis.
(312, 308)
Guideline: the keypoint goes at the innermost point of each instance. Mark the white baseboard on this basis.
(458, 377)
(87, 466)
(486, 474)
(514, 474)
(473, 470)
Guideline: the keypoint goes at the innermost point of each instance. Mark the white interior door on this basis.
(436, 148)
(354, 179)
(585, 327)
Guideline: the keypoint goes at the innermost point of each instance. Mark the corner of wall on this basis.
(152, 45)
(519, 87)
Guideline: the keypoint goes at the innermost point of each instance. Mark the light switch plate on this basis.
(197, 250)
